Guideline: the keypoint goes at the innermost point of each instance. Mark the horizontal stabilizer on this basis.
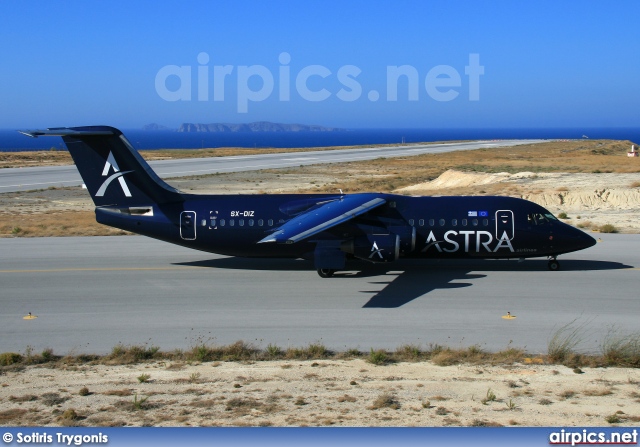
(68, 131)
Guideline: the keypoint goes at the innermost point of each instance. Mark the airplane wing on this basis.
(323, 217)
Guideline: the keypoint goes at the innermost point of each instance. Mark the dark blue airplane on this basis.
(325, 228)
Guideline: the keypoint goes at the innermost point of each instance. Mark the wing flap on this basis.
(323, 217)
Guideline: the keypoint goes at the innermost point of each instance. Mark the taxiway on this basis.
(90, 294)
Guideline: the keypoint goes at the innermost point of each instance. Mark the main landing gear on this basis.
(326, 273)
(553, 264)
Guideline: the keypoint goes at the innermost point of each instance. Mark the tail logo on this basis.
(111, 162)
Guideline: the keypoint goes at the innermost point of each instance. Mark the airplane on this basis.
(325, 228)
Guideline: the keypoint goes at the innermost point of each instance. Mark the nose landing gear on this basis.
(553, 264)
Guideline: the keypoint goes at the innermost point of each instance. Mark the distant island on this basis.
(154, 126)
(260, 126)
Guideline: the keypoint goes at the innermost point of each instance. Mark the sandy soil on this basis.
(323, 392)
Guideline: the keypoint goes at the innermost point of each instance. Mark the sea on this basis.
(13, 141)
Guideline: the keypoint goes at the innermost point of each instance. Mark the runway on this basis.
(91, 293)
(25, 179)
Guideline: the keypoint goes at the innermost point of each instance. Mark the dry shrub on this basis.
(607, 228)
(598, 392)
(25, 398)
(120, 393)
(52, 399)
(385, 400)
(243, 406)
(11, 415)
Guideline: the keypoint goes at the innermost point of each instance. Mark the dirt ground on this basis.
(320, 393)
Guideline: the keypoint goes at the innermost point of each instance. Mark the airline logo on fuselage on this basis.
(476, 241)
(376, 251)
(111, 163)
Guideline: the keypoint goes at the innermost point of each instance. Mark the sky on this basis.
(358, 64)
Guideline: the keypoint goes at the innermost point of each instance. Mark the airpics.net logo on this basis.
(256, 83)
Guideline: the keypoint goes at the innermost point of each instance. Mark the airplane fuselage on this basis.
(428, 227)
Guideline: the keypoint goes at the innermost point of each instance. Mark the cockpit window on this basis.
(539, 218)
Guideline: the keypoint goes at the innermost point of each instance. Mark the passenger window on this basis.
(260, 222)
(213, 222)
(411, 222)
(250, 222)
(454, 222)
(421, 222)
(485, 222)
(441, 222)
(241, 222)
(270, 222)
(464, 222)
(222, 222)
(203, 222)
(474, 222)
(232, 222)
(432, 222)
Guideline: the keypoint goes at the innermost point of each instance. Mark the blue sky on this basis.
(544, 63)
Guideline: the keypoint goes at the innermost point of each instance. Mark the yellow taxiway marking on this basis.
(29, 316)
(508, 316)
(96, 269)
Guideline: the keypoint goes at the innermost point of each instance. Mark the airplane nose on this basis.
(585, 241)
(579, 240)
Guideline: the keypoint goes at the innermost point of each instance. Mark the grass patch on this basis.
(564, 341)
(621, 349)
(410, 353)
(617, 350)
(10, 358)
(379, 357)
(143, 378)
(490, 397)
(122, 354)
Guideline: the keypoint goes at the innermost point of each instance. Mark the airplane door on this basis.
(188, 225)
(504, 223)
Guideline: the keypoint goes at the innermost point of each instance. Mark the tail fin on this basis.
(112, 170)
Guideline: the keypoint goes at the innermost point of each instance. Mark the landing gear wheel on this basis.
(553, 265)
(326, 273)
